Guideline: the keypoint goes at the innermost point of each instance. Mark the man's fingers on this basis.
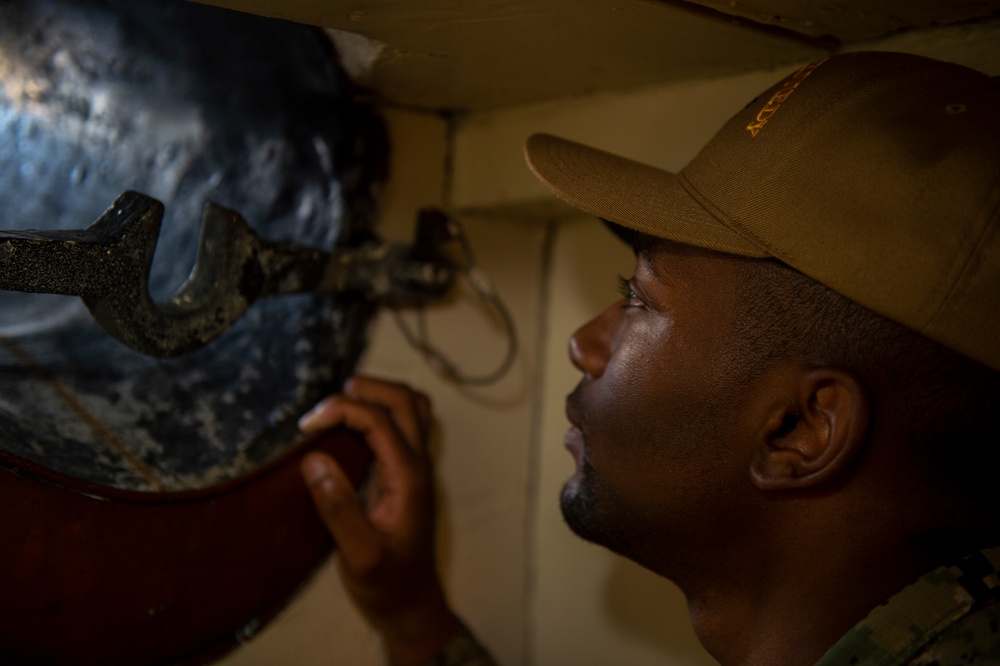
(340, 510)
(409, 410)
(372, 422)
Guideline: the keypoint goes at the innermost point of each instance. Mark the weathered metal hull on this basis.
(151, 510)
(92, 576)
(188, 104)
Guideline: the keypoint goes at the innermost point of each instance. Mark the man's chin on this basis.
(578, 510)
(588, 514)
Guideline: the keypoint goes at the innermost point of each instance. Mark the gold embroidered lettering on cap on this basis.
(779, 97)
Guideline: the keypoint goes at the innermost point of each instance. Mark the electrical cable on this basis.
(483, 287)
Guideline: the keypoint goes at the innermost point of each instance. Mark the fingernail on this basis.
(308, 421)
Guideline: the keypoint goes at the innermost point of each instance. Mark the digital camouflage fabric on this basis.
(949, 616)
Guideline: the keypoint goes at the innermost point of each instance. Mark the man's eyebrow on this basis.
(644, 255)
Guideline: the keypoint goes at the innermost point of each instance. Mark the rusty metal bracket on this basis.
(107, 265)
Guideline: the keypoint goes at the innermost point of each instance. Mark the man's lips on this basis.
(573, 439)
(573, 414)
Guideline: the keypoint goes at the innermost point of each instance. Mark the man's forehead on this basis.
(646, 244)
(669, 261)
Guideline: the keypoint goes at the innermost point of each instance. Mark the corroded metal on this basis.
(187, 104)
(154, 512)
(107, 264)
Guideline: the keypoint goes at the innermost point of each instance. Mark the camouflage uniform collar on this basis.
(897, 630)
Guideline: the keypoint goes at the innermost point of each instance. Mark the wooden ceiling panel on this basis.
(471, 55)
(857, 19)
(443, 54)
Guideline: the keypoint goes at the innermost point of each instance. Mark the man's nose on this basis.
(590, 346)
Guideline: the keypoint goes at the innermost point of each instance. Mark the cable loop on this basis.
(483, 287)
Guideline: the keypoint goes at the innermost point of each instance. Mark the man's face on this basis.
(657, 419)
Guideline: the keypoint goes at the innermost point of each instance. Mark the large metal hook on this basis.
(107, 265)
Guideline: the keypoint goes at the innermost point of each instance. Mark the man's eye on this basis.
(625, 289)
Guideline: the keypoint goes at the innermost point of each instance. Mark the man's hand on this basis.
(385, 541)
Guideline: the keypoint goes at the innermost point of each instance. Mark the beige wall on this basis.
(532, 591)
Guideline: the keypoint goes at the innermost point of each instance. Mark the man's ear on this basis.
(814, 433)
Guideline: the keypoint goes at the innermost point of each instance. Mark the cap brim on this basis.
(634, 195)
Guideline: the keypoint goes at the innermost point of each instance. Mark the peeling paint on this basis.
(358, 54)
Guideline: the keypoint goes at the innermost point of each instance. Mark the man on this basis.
(792, 411)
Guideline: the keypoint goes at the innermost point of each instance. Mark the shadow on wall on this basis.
(652, 611)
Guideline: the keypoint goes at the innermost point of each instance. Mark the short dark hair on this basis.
(951, 402)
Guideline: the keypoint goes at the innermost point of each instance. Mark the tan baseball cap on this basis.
(876, 174)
